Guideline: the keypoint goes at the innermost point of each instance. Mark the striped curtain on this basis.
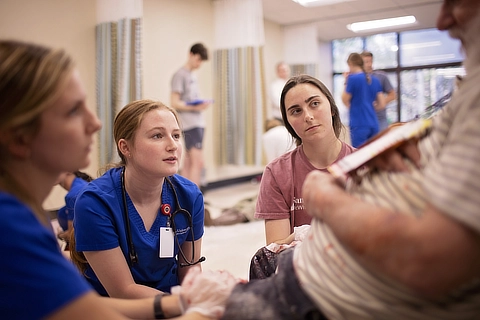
(118, 73)
(240, 100)
(311, 69)
(240, 96)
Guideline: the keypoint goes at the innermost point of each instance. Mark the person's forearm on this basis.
(277, 230)
(412, 250)
(134, 308)
(178, 104)
(360, 225)
(194, 316)
(380, 102)
(187, 250)
(144, 308)
(287, 240)
(346, 97)
(137, 291)
(379, 238)
(390, 97)
(182, 106)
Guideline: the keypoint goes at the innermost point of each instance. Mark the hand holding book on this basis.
(389, 140)
(196, 102)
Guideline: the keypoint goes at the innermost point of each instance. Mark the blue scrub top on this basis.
(362, 112)
(36, 279)
(99, 225)
(62, 218)
(77, 185)
(67, 212)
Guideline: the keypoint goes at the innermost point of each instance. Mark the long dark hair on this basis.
(304, 78)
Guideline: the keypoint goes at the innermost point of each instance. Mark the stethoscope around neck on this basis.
(165, 209)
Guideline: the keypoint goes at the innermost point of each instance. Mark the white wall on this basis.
(273, 50)
(325, 64)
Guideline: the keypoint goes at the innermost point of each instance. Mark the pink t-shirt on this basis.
(280, 194)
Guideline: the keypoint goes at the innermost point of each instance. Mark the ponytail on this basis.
(78, 258)
(357, 60)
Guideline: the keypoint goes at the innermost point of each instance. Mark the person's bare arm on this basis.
(180, 105)
(346, 98)
(390, 96)
(133, 308)
(114, 273)
(380, 101)
(92, 306)
(278, 231)
(431, 254)
(187, 250)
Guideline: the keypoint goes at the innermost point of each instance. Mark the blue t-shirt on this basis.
(362, 112)
(99, 225)
(36, 279)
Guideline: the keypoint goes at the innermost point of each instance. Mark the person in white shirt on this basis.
(276, 140)
(276, 87)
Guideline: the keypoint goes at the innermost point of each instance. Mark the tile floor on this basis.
(231, 247)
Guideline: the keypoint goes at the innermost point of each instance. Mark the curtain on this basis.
(240, 97)
(311, 69)
(118, 73)
(240, 101)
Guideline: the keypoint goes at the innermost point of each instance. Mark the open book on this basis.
(391, 139)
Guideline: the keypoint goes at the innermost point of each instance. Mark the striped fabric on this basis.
(118, 73)
(240, 106)
(341, 287)
(310, 69)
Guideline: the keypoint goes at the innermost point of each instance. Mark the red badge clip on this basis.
(165, 208)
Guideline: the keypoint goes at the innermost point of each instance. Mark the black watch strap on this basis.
(157, 306)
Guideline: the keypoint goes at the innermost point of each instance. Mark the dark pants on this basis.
(194, 138)
(278, 297)
(360, 135)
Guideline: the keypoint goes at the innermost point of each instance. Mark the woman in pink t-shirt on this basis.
(311, 116)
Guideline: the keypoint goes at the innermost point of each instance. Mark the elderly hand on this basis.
(394, 159)
(205, 292)
(319, 189)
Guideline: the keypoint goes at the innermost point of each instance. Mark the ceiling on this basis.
(331, 20)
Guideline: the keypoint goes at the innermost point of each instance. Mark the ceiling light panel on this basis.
(317, 3)
(381, 24)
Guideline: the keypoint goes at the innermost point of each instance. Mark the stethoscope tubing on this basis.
(133, 256)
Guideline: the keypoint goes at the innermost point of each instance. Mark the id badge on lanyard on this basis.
(166, 242)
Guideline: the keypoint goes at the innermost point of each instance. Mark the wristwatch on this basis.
(157, 305)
